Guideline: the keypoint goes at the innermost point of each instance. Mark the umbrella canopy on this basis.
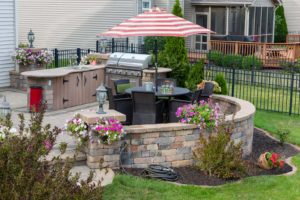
(156, 22)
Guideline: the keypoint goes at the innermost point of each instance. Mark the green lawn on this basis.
(272, 121)
(254, 188)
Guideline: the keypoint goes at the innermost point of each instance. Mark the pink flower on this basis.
(48, 144)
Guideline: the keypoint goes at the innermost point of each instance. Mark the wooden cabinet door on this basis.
(91, 81)
(72, 90)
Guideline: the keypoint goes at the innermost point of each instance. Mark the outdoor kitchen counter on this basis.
(67, 86)
(59, 72)
(149, 74)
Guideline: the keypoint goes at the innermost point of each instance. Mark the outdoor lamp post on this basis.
(101, 97)
(30, 38)
(4, 108)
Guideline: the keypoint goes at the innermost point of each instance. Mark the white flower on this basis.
(13, 130)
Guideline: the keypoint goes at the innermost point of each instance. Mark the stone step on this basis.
(105, 176)
(80, 157)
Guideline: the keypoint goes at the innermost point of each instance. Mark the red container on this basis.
(36, 97)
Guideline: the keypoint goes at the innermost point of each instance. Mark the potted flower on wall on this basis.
(270, 160)
(108, 131)
(43, 58)
(205, 115)
(79, 129)
(25, 58)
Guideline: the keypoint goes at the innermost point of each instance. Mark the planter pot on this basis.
(94, 62)
(262, 161)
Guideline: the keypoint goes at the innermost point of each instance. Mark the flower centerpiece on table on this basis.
(44, 57)
(205, 115)
(24, 57)
(270, 160)
(78, 128)
(108, 131)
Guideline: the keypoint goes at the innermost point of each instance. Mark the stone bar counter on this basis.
(149, 74)
(66, 86)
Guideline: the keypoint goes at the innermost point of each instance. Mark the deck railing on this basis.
(290, 38)
(271, 54)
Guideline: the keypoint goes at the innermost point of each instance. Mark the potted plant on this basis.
(108, 131)
(270, 160)
(205, 115)
(25, 58)
(44, 57)
(79, 129)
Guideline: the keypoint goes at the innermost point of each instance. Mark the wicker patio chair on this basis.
(146, 110)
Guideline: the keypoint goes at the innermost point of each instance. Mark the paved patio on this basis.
(18, 102)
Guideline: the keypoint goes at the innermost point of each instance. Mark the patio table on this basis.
(178, 91)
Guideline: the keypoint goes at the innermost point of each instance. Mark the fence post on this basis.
(78, 55)
(127, 44)
(291, 93)
(252, 70)
(97, 46)
(89, 51)
(131, 46)
(55, 57)
(233, 82)
(113, 45)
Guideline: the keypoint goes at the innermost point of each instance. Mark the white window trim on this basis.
(150, 5)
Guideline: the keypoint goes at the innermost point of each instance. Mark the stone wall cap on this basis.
(158, 127)
(245, 109)
(159, 70)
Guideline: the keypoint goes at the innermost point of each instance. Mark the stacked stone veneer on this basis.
(172, 144)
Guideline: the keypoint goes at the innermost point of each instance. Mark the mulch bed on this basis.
(261, 143)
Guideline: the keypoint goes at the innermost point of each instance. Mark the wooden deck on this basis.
(271, 54)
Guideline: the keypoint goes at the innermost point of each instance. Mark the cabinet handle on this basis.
(95, 77)
(77, 81)
(94, 94)
(65, 81)
(84, 80)
(65, 100)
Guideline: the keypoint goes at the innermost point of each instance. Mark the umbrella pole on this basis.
(156, 67)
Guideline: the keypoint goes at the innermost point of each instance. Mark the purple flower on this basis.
(48, 144)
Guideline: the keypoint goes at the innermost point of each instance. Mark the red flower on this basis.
(274, 158)
(281, 164)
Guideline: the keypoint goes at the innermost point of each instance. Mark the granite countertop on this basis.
(159, 70)
(59, 72)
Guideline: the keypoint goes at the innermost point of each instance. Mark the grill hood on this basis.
(129, 61)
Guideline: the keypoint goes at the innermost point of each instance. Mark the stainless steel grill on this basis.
(126, 66)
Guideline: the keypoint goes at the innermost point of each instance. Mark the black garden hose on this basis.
(160, 172)
(153, 171)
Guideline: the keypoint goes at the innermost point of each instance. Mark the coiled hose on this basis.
(153, 171)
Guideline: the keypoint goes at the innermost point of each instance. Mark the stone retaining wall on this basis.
(171, 144)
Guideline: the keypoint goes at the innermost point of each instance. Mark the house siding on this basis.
(7, 40)
(292, 14)
(71, 23)
(263, 3)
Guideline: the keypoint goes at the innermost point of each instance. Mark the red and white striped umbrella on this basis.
(156, 22)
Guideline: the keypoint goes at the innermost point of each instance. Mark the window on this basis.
(261, 23)
(237, 21)
(218, 20)
(146, 5)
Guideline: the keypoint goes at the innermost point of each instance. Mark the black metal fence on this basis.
(269, 90)
(68, 57)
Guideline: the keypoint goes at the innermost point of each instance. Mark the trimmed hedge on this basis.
(248, 61)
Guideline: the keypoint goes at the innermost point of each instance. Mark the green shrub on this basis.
(174, 55)
(218, 155)
(196, 75)
(220, 79)
(216, 57)
(232, 61)
(283, 135)
(25, 174)
(291, 66)
(281, 29)
(248, 61)
(149, 43)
